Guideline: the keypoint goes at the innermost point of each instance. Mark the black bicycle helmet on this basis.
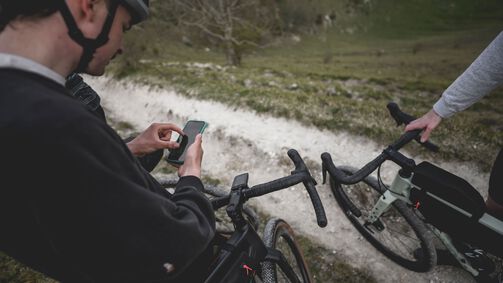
(137, 8)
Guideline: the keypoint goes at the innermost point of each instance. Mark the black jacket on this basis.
(77, 206)
(84, 93)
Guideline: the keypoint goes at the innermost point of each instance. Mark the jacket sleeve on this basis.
(483, 75)
(101, 212)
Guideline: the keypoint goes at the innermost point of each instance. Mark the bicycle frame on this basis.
(245, 250)
(400, 189)
(446, 203)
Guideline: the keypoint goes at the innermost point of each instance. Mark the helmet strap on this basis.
(89, 45)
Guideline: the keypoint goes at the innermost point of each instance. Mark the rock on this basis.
(296, 38)
(272, 84)
(186, 40)
(331, 91)
(293, 86)
(248, 83)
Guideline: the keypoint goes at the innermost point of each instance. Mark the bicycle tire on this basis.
(279, 235)
(409, 227)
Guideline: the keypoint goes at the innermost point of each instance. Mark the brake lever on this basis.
(324, 173)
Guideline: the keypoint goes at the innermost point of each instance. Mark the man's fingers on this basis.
(170, 144)
(426, 134)
(175, 128)
(416, 124)
(166, 127)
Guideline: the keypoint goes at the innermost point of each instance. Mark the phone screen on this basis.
(191, 129)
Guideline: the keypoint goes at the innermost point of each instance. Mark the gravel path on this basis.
(238, 141)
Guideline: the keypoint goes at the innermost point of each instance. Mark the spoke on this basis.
(404, 247)
(398, 236)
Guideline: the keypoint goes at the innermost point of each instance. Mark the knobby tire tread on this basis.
(274, 229)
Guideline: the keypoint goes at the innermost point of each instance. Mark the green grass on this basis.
(404, 51)
(12, 271)
(326, 266)
(346, 90)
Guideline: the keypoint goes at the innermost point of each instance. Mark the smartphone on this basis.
(191, 129)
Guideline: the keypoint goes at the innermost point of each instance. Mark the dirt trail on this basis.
(240, 141)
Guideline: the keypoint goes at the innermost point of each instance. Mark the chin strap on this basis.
(89, 45)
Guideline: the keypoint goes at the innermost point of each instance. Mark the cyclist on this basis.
(75, 203)
(483, 76)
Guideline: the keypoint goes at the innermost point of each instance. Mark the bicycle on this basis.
(422, 203)
(276, 257)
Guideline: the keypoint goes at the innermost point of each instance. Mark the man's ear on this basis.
(88, 9)
(88, 15)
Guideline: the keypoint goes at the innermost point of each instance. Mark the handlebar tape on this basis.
(309, 184)
(220, 202)
(342, 177)
(300, 174)
(399, 116)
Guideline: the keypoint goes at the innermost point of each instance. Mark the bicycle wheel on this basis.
(279, 235)
(399, 233)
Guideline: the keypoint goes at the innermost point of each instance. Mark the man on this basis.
(483, 76)
(75, 203)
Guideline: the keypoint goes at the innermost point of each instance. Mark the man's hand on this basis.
(156, 136)
(428, 122)
(193, 158)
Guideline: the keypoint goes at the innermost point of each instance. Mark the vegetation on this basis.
(13, 272)
(341, 77)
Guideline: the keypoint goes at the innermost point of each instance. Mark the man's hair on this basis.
(17, 9)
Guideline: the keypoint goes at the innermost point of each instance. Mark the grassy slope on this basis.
(406, 51)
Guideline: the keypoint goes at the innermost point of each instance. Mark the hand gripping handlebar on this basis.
(404, 118)
(390, 153)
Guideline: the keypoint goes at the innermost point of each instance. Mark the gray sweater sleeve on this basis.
(483, 75)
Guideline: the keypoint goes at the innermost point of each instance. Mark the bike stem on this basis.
(236, 200)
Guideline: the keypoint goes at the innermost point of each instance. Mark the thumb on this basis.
(199, 139)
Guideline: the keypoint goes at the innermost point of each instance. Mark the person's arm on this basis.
(483, 75)
(148, 147)
(102, 213)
